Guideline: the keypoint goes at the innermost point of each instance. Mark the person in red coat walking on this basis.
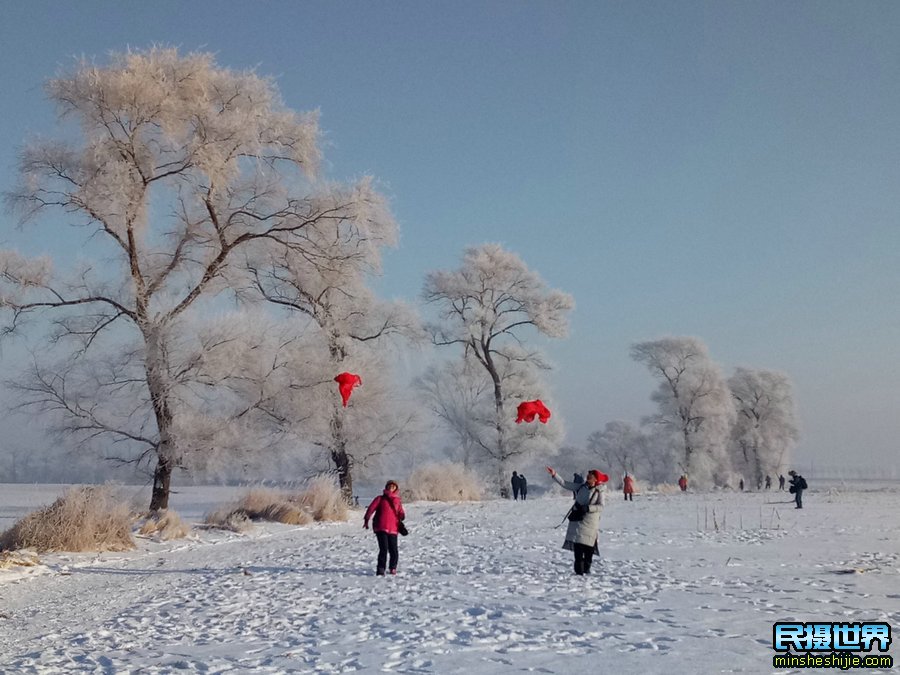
(628, 487)
(386, 512)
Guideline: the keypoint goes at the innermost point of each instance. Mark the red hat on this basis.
(599, 476)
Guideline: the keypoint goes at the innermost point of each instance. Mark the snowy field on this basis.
(685, 583)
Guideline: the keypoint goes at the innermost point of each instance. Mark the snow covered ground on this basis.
(685, 583)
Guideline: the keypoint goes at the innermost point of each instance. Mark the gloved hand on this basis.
(366, 525)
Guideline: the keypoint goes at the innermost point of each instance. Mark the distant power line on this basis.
(837, 471)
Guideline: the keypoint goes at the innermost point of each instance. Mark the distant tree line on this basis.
(713, 429)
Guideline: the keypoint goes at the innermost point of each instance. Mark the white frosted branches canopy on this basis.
(766, 425)
(492, 294)
(185, 110)
(695, 405)
(211, 150)
(192, 180)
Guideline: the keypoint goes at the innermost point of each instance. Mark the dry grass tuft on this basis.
(667, 489)
(228, 519)
(284, 512)
(323, 500)
(83, 519)
(24, 558)
(444, 483)
(164, 526)
(258, 504)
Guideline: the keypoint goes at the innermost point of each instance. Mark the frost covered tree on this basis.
(766, 424)
(621, 447)
(695, 405)
(461, 394)
(486, 307)
(354, 330)
(455, 391)
(617, 446)
(183, 172)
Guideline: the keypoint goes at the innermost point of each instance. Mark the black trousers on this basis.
(387, 544)
(584, 555)
(515, 493)
(798, 498)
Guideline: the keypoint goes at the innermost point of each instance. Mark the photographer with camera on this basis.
(798, 485)
(584, 517)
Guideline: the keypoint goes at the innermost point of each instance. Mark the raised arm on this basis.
(568, 485)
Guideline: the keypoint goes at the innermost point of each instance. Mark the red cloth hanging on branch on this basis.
(527, 411)
(346, 382)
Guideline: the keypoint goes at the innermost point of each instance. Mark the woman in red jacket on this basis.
(388, 512)
(628, 487)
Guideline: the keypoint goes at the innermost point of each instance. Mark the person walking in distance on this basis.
(628, 487)
(584, 517)
(523, 486)
(387, 514)
(516, 484)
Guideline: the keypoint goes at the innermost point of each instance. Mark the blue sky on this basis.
(717, 169)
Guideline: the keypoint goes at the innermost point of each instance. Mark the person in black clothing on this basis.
(798, 485)
(523, 487)
(781, 481)
(516, 485)
(578, 479)
(768, 481)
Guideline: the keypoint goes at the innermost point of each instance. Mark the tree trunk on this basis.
(501, 477)
(758, 470)
(162, 478)
(688, 451)
(155, 368)
(340, 457)
(498, 409)
(345, 478)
